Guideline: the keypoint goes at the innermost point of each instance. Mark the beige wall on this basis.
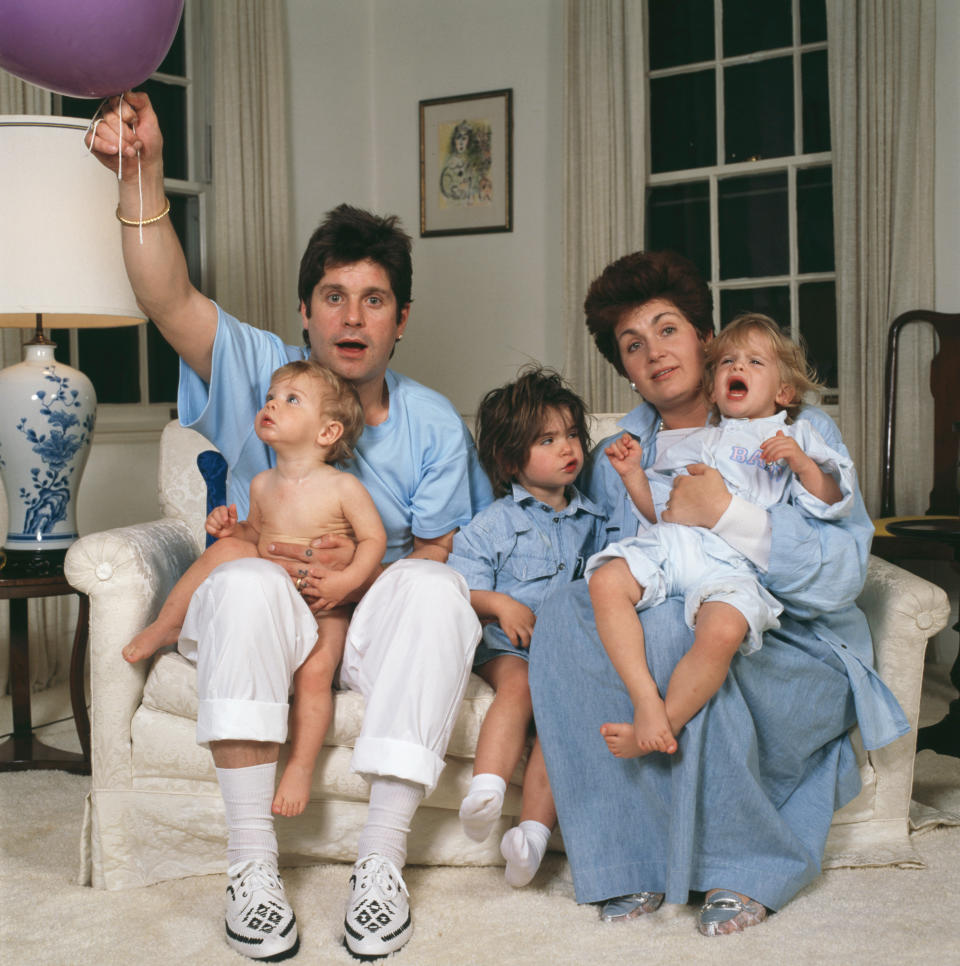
(483, 304)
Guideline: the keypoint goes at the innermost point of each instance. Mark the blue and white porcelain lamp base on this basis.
(47, 415)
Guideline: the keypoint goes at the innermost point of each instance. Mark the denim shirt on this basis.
(526, 549)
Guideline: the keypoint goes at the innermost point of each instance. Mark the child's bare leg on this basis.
(615, 594)
(500, 745)
(166, 628)
(524, 845)
(698, 675)
(311, 713)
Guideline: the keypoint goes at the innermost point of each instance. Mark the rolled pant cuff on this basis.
(224, 719)
(390, 758)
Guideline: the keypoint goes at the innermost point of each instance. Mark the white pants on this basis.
(671, 559)
(409, 652)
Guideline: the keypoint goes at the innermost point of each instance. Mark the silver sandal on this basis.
(723, 907)
(631, 906)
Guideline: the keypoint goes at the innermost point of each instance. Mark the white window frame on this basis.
(713, 174)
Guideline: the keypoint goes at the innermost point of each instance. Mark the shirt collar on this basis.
(576, 501)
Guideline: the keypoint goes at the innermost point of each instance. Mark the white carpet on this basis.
(465, 916)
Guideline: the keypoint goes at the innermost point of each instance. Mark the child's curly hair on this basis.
(510, 419)
(795, 371)
(340, 403)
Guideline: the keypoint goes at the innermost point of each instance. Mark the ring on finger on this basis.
(299, 584)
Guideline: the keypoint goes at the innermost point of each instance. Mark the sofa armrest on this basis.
(904, 611)
(127, 573)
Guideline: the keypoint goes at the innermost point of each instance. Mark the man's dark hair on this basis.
(636, 279)
(349, 235)
(511, 418)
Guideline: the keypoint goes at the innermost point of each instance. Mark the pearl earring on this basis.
(633, 386)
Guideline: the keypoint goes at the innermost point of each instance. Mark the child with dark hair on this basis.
(531, 439)
(311, 419)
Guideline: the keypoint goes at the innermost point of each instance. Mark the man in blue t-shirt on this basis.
(411, 639)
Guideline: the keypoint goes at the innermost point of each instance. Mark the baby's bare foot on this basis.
(652, 727)
(621, 740)
(293, 792)
(148, 642)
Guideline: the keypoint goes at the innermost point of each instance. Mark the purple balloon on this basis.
(86, 48)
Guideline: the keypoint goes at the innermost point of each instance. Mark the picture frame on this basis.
(466, 164)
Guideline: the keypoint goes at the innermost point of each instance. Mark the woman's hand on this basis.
(697, 500)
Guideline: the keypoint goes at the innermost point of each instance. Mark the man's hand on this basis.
(132, 120)
(697, 500)
(308, 566)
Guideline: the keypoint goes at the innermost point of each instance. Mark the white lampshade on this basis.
(60, 261)
(60, 251)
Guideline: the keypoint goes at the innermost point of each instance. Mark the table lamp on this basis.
(61, 265)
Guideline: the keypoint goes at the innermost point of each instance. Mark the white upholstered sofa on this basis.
(154, 810)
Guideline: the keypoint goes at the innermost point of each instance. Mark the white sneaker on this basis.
(259, 921)
(377, 921)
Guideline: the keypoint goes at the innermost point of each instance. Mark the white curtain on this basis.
(881, 62)
(250, 163)
(605, 172)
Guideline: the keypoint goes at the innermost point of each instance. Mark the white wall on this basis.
(483, 304)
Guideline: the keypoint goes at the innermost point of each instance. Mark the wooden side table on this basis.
(23, 750)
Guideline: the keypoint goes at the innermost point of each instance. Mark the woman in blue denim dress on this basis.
(742, 810)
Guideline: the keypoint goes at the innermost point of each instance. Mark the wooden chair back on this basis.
(945, 387)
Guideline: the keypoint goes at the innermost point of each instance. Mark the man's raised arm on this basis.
(186, 318)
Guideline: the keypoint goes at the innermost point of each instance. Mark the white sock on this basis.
(393, 803)
(481, 808)
(523, 847)
(247, 797)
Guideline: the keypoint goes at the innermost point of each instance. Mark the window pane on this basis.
(681, 32)
(813, 21)
(78, 107)
(175, 61)
(815, 220)
(748, 27)
(753, 226)
(170, 103)
(683, 129)
(817, 304)
(110, 359)
(758, 110)
(773, 301)
(678, 218)
(816, 101)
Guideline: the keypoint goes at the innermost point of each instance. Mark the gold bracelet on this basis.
(146, 221)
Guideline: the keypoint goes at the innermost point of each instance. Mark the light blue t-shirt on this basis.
(419, 465)
(524, 548)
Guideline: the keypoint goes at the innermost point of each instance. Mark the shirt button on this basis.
(562, 566)
(556, 519)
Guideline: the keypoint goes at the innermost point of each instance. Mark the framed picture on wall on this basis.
(466, 164)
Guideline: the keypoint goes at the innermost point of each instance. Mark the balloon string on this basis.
(92, 128)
